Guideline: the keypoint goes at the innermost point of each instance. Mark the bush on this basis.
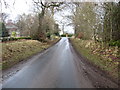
(57, 33)
(114, 43)
(63, 35)
(23, 38)
(4, 39)
(80, 35)
(11, 39)
(48, 35)
(3, 30)
(14, 34)
(70, 35)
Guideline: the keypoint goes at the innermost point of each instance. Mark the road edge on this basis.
(9, 72)
(92, 65)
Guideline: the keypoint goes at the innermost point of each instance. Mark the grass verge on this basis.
(14, 52)
(103, 63)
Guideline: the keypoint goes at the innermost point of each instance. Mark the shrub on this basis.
(63, 35)
(4, 39)
(23, 38)
(57, 33)
(14, 34)
(70, 35)
(114, 43)
(80, 35)
(13, 39)
(3, 30)
(48, 35)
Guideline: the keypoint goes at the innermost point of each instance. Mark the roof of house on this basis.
(11, 25)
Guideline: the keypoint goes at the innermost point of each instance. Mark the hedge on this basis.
(114, 43)
(3, 39)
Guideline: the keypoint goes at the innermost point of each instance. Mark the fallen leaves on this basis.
(107, 57)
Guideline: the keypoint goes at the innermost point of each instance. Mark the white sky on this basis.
(20, 7)
(25, 6)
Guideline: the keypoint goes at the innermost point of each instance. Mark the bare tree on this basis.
(4, 16)
(42, 8)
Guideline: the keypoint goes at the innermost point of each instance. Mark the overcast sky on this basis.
(17, 7)
(25, 6)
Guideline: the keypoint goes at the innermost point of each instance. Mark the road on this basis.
(56, 68)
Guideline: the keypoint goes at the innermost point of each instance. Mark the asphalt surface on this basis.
(56, 68)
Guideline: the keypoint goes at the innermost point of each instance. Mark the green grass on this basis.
(102, 63)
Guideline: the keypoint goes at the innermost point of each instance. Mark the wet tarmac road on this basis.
(56, 68)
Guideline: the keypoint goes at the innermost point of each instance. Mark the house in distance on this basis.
(12, 28)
